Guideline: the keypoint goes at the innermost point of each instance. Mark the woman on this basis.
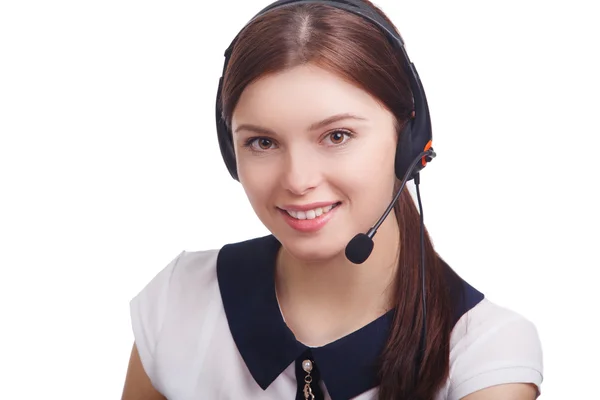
(315, 100)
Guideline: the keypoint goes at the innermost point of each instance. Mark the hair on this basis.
(358, 51)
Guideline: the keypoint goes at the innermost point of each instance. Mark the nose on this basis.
(300, 173)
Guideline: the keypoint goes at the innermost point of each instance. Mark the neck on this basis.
(335, 294)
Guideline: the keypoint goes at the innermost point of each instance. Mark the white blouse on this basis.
(208, 326)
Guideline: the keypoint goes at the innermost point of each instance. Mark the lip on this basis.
(309, 225)
(306, 207)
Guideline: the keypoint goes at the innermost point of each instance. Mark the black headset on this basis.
(415, 139)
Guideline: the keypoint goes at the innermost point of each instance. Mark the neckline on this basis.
(348, 365)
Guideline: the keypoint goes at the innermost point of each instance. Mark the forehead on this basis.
(302, 95)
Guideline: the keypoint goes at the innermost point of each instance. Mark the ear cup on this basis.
(224, 137)
(407, 150)
(416, 134)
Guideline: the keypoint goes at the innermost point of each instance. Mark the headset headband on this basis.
(416, 135)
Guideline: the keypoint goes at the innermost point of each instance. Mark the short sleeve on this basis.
(147, 311)
(498, 347)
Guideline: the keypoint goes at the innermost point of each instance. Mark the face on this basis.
(315, 156)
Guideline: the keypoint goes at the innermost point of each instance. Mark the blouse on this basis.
(209, 326)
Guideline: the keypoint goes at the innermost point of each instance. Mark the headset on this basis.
(416, 136)
(414, 149)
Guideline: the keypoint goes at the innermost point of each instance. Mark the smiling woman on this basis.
(319, 116)
(323, 142)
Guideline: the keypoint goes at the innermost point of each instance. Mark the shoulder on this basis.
(188, 270)
(492, 345)
(187, 283)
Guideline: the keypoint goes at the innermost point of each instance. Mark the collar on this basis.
(246, 276)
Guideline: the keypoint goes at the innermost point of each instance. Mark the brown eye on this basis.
(264, 144)
(260, 144)
(339, 137)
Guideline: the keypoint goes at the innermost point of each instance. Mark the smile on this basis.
(309, 220)
(311, 214)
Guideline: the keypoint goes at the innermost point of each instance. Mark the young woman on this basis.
(315, 100)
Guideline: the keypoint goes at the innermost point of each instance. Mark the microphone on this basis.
(361, 245)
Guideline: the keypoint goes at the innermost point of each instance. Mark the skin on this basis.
(287, 155)
(137, 383)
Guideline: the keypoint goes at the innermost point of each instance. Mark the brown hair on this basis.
(358, 51)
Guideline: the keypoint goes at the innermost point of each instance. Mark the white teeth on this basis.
(310, 214)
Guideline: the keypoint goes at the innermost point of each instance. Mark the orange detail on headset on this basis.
(427, 147)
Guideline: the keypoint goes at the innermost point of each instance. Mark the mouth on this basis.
(312, 213)
(310, 220)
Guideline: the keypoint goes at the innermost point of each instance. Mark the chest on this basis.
(198, 358)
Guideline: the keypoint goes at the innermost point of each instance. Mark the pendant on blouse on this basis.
(307, 366)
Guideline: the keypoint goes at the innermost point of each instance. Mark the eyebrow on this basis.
(313, 127)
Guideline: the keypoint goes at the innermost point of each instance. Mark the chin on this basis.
(314, 249)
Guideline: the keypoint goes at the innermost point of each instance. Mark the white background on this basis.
(109, 167)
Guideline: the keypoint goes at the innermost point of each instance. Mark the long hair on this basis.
(356, 50)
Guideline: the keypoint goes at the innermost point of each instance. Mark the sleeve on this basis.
(147, 311)
(497, 352)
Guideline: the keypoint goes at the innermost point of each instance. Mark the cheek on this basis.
(372, 164)
(373, 182)
(257, 180)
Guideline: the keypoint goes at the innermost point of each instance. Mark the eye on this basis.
(259, 143)
(339, 137)
(264, 143)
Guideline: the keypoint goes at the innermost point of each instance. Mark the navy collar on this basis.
(246, 276)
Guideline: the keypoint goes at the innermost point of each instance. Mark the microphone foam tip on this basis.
(359, 248)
